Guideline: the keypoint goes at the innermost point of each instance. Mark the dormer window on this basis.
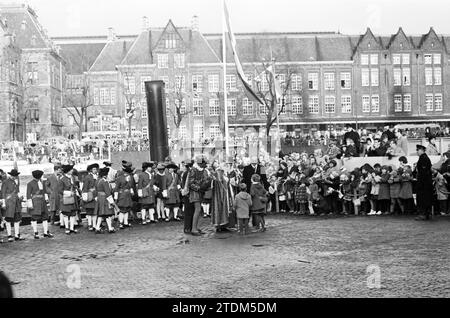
(23, 26)
(33, 40)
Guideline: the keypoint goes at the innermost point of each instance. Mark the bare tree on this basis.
(130, 96)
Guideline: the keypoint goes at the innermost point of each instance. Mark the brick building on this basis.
(41, 75)
(333, 79)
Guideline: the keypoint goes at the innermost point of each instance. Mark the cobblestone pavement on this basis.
(296, 257)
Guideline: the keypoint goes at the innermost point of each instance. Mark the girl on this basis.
(347, 194)
(394, 190)
(384, 196)
(259, 201)
(406, 189)
(375, 179)
(440, 185)
(301, 196)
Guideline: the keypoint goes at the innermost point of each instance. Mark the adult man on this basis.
(254, 168)
(402, 141)
(424, 186)
(37, 204)
(353, 135)
(188, 207)
(394, 150)
(431, 149)
(388, 133)
(198, 183)
(89, 195)
(13, 204)
(52, 186)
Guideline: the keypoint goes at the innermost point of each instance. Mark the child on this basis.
(331, 192)
(440, 185)
(290, 189)
(273, 193)
(242, 205)
(384, 196)
(314, 197)
(406, 189)
(301, 196)
(259, 201)
(346, 194)
(394, 190)
(375, 189)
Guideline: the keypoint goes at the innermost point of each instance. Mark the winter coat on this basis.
(102, 205)
(440, 186)
(52, 185)
(242, 205)
(124, 190)
(424, 185)
(37, 197)
(259, 197)
(314, 192)
(173, 193)
(89, 186)
(68, 184)
(146, 184)
(384, 192)
(406, 188)
(394, 187)
(301, 193)
(10, 193)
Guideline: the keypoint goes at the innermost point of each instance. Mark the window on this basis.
(213, 83)
(406, 59)
(282, 80)
(163, 60)
(32, 73)
(262, 109)
(346, 103)
(198, 131)
(231, 107)
(197, 83)
(396, 59)
(329, 81)
(249, 78)
(182, 107)
(364, 59)
(428, 76)
(264, 85)
(365, 77)
(214, 107)
(313, 106)
(96, 97)
(346, 80)
(165, 79)
(398, 107)
(247, 107)
(373, 59)
(375, 104)
(374, 77)
(198, 107)
(428, 59)
(429, 102)
(104, 96)
(313, 81)
(406, 76)
(438, 102)
(297, 105)
(182, 132)
(366, 104)
(179, 60)
(214, 131)
(130, 85)
(437, 59)
(296, 82)
(330, 104)
(231, 82)
(171, 41)
(113, 95)
(180, 83)
(144, 113)
(407, 103)
(143, 80)
(145, 132)
(397, 77)
(437, 76)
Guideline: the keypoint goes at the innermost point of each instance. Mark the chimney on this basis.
(195, 24)
(111, 35)
(145, 24)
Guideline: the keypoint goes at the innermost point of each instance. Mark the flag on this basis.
(276, 83)
(239, 68)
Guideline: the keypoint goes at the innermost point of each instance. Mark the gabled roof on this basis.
(400, 41)
(431, 36)
(80, 57)
(111, 56)
(32, 35)
(172, 28)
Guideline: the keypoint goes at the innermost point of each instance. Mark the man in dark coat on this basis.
(249, 171)
(353, 135)
(424, 186)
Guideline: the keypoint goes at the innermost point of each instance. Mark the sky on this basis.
(384, 17)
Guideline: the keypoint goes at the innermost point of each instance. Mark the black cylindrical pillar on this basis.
(157, 120)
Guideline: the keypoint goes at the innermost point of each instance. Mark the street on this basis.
(296, 257)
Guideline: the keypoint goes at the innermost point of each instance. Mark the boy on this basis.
(242, 205)
(259, 201)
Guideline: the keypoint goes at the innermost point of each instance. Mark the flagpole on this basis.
(225, 93)
(278, 144)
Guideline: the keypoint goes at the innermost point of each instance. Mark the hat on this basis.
(93, 166)
(103, 172)
(146, 165)
(172, 165)
(420, 147)
(107, 164)
(74, 172)
(189, 164)
(14, 173)
(37, 174)
(66, 168)
(160, 166)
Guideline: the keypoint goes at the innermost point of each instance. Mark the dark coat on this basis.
(67, 184)
(406, 189)
(173, 193)
(53, 185)
(124, 189)
(384, 192)
(198, 179)
(353, 135)
(145, 184)
(424, 185)
(394, 187)
(161, 183)
(37, 196)
(102, 205)
(249, 171)
(89, 186)
(258, 192)
(10, 193)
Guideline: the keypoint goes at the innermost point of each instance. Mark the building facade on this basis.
(330, 79)
(40, 78)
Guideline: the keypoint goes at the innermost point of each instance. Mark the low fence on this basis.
(352, 163)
